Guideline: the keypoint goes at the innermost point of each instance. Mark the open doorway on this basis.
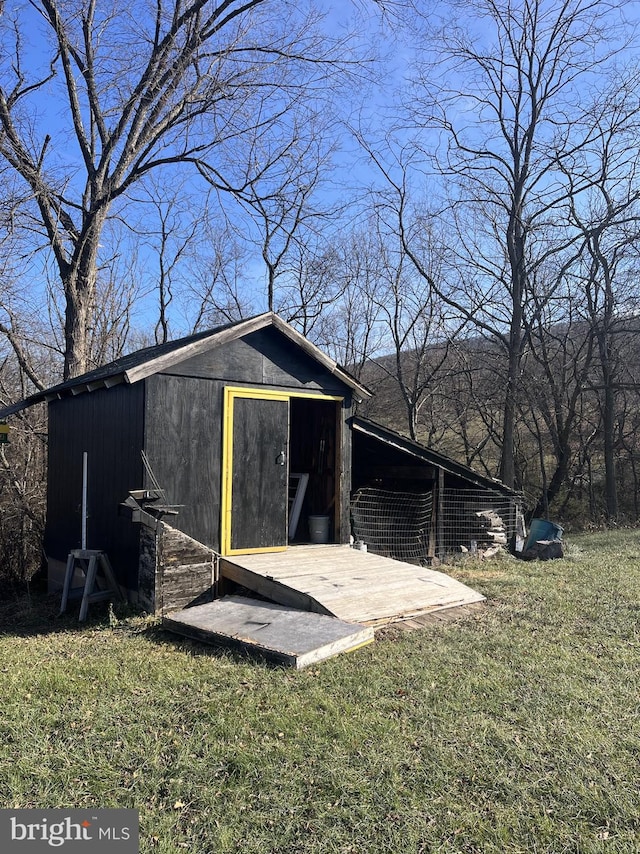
(314, 449)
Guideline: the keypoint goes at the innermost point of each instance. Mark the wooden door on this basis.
(257, 474)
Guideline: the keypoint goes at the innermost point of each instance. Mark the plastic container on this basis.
(542, 529)
(319, 529)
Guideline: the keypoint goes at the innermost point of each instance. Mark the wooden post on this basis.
(85, 458)
(433, 534)
(440, 516)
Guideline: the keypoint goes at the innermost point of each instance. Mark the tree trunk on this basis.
(558, 479)
(608, 426)
(507, 453)
(76, 355)
(80, 284)
(516, 239)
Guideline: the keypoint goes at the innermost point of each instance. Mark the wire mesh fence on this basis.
(393, 524)
(399, 524)
(474, 520)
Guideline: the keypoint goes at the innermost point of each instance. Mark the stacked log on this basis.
(496, 532)
(489, 535)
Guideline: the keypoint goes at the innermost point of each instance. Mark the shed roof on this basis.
(152, 360)
(424, 454)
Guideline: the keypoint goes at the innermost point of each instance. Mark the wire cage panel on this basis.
(400, 524)
(393, 524)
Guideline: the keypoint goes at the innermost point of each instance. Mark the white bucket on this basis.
(319, 529)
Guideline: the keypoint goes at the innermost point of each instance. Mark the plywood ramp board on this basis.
(280, 634)
(351, 585)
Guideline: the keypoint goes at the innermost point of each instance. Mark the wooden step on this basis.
(279, 634)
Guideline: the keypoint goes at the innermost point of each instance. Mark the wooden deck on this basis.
(355, 586)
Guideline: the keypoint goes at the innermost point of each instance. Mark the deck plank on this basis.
(280, 634)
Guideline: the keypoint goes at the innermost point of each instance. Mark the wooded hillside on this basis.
(562, 438)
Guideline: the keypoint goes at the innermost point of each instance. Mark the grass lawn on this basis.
(515, 730)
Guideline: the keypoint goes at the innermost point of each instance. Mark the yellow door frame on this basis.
(230, 394)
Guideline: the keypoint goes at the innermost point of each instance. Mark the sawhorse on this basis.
(89, 561)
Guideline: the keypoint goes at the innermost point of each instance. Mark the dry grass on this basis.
(513, 731)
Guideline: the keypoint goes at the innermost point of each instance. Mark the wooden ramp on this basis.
(283, 635)
(354, 586)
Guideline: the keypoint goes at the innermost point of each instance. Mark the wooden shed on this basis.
(217, 420)
(196, 464)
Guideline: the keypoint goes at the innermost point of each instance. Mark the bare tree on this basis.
(606, 215)
(142, 89)
(402, 320)
(351, 328)
(418, 325)
(468, 403)
(22, 480)
(279, 197)
(555, 372)
(313, 287)
(505, 104)
(167, 235)
(220, 286)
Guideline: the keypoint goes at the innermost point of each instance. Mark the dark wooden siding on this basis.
(184, 421)
(108, 425)
(183, 430)
(262, 358)
(177, 419)
(376, 463)
(184, 444)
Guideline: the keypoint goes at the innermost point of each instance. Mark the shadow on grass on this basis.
(37, 612)
(230, 651)
(25, 613)
(32, 612)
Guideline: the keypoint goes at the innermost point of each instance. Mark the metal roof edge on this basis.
(14, 408)
(316, 353)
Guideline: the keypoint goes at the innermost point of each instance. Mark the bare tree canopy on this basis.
(503, 99)
(94, 98)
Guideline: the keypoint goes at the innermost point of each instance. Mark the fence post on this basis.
(440, 516)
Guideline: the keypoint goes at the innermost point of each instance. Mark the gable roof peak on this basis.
(151, 360)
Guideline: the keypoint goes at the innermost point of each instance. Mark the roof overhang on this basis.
(423, 454)
(128, 369)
